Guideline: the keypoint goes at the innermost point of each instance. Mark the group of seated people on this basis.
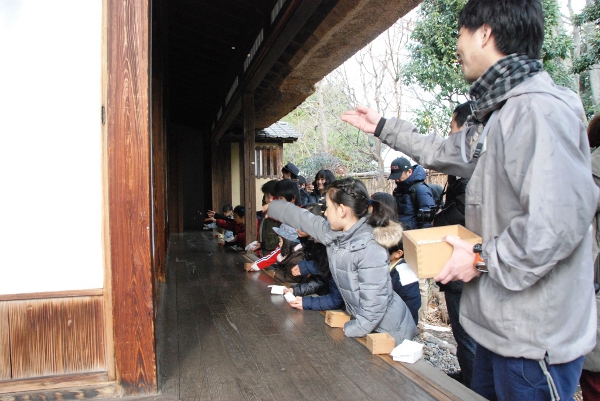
(342, 249)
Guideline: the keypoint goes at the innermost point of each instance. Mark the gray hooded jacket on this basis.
(531, 198)
(360, 268)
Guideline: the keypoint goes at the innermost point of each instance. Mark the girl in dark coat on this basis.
(322, 180)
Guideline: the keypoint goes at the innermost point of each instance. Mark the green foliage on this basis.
(590, 53)
(433, 117)
(557, 45)
(433, 61)
(347, 151)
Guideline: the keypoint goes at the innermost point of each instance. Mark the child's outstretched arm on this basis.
(303, 220)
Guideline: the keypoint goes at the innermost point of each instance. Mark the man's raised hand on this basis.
(363, 118)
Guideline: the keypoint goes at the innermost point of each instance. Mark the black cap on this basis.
(291, 168)
(399, 166)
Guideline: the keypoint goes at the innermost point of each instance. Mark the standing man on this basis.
(413, 196)
(528, 300)
(454, 213)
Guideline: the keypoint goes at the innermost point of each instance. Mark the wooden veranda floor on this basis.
(221, 335)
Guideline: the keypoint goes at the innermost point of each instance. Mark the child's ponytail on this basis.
(353, 193)
(381, 214)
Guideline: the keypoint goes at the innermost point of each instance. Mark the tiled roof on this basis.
(279, 130)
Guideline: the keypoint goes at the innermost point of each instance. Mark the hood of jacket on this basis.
(389, 235)
(539, 83)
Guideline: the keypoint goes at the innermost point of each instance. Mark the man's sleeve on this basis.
(430, 151)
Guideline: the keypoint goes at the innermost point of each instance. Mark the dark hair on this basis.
(387, 201)
(269, 187)
(318, 209)
(289, 190)
(239, 210)
(327, 174)
(227, 207)
(517, 25)
(301, 180)
(353, 193)
(287, 247)
(593, 131)
(463, 111)
(398, 247)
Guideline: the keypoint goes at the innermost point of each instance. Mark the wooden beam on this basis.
(248, 171)
(288, 24)
(130, 213)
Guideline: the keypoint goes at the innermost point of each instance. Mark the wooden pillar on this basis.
(129, 160)
(249, 174)
(215, 163)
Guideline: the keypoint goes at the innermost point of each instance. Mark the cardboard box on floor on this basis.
(425, 251)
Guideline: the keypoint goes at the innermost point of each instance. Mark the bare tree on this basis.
(373, 77)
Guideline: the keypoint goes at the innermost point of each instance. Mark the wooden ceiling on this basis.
(207, 42)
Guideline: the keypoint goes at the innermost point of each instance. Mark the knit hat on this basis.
(399, 166)
(287, 232)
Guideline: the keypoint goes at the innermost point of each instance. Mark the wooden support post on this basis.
(129, 189)
(249, 174)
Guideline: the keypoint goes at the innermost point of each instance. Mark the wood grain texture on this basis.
(100, 390)
(55, 294)
(5, 371)
(129, 161)
(56, 337)
(52, 382)
(159, 151)
(224, 336)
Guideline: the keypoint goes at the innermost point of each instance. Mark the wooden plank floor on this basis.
(221, 335)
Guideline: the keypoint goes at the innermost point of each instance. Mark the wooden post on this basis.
(249, 174)
(129, 189)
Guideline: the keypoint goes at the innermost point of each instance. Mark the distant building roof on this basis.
(280, 130)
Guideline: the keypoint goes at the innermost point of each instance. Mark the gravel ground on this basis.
(438, 352)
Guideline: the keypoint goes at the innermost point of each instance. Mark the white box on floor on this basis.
(408, 352)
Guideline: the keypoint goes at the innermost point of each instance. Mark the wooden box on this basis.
(380, 343)
(426, 252)
(336, 318)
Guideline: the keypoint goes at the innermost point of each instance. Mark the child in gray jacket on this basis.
(359, 265)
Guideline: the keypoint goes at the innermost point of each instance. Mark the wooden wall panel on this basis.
(221, 175)
(248, 172)
(159, 159)
(57, 336)
(130, 211)
(4, 343)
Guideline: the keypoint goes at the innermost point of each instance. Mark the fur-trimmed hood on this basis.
(389, 235)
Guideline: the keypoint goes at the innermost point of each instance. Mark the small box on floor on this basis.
(426, 252)
(336, 318)
(408, 352)
(380, 343)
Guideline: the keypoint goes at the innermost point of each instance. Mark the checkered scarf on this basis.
(501, 77)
